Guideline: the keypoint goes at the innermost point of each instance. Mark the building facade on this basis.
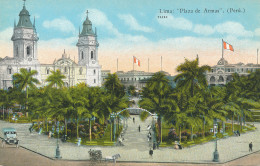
(25, 55)
(221, 73)
(133, 77)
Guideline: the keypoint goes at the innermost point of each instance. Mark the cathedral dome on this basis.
(222, 61)
(87, 28)
(24, 12)
(24, 20)
(87, 22)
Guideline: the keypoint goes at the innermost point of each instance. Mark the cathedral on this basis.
(25, 55)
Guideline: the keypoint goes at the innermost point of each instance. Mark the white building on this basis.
(221, 73)
(25, 55)
(133, 77)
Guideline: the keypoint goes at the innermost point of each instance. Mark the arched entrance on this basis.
(116, 116)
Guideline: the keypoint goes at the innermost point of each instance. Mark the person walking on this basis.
(133, 120)
(250, 147)
(151, 153)
(139, 128)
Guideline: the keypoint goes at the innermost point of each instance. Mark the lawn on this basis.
(198, 134)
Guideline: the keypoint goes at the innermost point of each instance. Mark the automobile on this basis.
(10, 137)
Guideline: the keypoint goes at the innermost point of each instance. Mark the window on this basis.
(9, 71)
(48, 71)
(94, 81)
(228, 70)
(92, 55)
(82, 55)
(16, 51)
(80, 71)
(212, 70)
(28, 50)
(94, 71)
(65, 69)
(242, 70)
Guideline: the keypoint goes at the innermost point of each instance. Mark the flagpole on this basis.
(148, 65)
(257, 56)
(117, 64)
(222, 49)
(161, 63)
(133, 63)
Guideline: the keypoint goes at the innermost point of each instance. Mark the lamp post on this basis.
(216, 154)
(58, 148)
(112, 117)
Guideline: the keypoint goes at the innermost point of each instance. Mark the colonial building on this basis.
(221, 73)
(25, 55)
(133, 77)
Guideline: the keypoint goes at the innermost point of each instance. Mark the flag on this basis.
(227, 46)
(137, 61)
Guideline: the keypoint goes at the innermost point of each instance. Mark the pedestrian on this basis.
(134, 120)
(148, 127)
(151, 153)
(238, 132)
(139, 128)
(250, 147)
(49, 134)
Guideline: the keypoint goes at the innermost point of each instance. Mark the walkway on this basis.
(136, 146)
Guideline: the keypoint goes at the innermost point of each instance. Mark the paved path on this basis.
(136, 146)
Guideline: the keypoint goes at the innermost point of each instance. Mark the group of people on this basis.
(237, 133)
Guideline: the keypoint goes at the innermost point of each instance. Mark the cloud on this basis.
(203, 29)
(98, 18)
(176, 23)
(257, 32)
(6, 34)
(58, 42)
(133, 24)
(61, 24)
(233, 28)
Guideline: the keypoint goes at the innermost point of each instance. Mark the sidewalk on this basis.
(136, 146)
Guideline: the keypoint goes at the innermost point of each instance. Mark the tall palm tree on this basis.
(55, 79)
(25, 79)
(156, 97)
(114, 86)
(191, 78)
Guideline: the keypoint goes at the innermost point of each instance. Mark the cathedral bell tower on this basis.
(25, 38)
(88, 53)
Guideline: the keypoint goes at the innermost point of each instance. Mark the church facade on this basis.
(25, 55)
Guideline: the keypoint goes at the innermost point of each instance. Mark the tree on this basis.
(131, 90)
(25, 79)
(114, 86)
(156, 97)
(55, 79)
(191, 78)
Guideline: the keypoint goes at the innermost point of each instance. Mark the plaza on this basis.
(136, 146)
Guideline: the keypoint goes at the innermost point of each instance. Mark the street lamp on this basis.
(155, 117)
(58, 148)
(215, 154)
(112, 117)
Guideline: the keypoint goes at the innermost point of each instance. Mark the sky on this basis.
(171, 29)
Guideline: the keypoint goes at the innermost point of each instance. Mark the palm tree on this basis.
(79, 101)
(55, 79)
(25, 79)
(114, 86)
(110, 104)
(191, 78)
(156, 97)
